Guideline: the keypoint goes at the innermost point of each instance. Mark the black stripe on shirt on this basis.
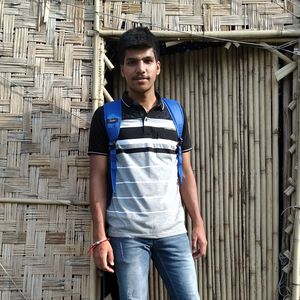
(147, 132)
(146, 149)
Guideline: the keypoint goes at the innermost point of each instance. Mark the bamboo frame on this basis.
(244, 35)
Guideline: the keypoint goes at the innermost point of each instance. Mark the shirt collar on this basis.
(130, 102)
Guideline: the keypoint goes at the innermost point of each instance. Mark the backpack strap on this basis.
(112, 121)
(177, 116)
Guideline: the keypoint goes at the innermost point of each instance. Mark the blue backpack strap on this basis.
(177, 115)
(112, 120)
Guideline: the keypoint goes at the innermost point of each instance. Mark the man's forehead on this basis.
(139, 53)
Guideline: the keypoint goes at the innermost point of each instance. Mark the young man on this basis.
(145, 215)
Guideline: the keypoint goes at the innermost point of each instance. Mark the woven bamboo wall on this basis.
(45, 109)
(231, 99)
(202, 15)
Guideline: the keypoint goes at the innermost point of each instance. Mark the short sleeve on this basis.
(98, 140)
(186, 139)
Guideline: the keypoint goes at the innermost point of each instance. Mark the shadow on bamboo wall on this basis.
(231, 100)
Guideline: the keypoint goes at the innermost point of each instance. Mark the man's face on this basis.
(140, 69)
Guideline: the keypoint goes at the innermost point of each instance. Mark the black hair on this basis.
(137, 38)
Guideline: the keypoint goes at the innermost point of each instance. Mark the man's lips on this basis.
(141, 78)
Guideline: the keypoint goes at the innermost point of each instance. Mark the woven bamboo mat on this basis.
(43, 252)
(45, 109)
(190, 15)
(45, 76)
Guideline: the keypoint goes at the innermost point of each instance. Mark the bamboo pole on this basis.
(263, 205)
(197, 151)
(268, 122)
(230, 83)
(275, 174)
(234, 178)
(186, 102)
(234, 35)
(225, 155)
(286, 164)
(252, 270)
(209, 219)
(222, 250)
(246, 168)
(202, 154)
(214, 226)
(257, 176)
(97, 96)
(204, 143)
(216, 194)
(206, 149)
(296, 238)
(40, 201)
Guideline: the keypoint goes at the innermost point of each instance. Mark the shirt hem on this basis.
(146, 236)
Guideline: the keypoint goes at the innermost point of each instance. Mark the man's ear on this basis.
(121, 70)
(158, 67)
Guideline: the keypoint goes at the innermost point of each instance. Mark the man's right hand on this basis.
(104, 257)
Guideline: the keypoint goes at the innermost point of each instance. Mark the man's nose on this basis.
(141, 66)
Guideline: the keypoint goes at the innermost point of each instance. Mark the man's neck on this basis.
(147, 100)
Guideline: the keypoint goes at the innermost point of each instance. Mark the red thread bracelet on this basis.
(96, 244)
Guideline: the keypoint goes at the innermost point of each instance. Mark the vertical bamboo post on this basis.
(236, 267)
(97, 87)
(188, 109)
(245, 179)
(268, 122)
(257, 176)
(263, 205)
(201, 145)
(206, 149)
(241, 251)
(220, 106)
(231, 198)
(215, 226)
(216, 179)
(252, 270)
(286, 157)
(275, 174)
(225, 155)
(209, 220)
(296, 238)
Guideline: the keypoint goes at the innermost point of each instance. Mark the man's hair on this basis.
(137, 38)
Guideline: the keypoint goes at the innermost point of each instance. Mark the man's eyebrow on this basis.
(143, 58)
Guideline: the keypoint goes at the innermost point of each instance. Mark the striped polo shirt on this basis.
(147, 202)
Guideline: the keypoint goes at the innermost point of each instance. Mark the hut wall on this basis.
(45, 109)
(231, 100)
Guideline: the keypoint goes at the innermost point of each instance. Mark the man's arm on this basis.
(188, 190)
(103, 254)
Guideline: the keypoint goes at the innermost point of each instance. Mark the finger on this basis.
(104, 266)
(194, 244)
(108, 269)
(110, 258)
(197, 254)
(203, 248)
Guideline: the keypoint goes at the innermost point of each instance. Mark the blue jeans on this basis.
(172, 257)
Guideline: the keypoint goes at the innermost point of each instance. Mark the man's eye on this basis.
(148, 61)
